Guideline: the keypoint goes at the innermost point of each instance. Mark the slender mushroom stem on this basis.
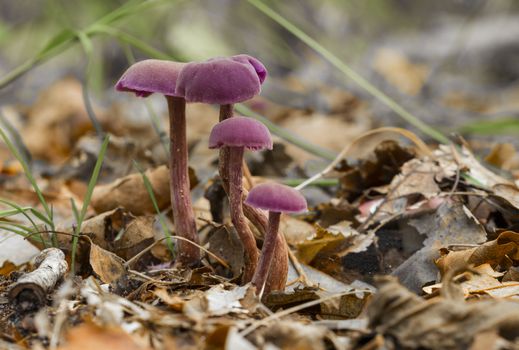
(183, 216)
(226, 112)
(278, 276)
(268, 252)
(277, 279)
(238, 219)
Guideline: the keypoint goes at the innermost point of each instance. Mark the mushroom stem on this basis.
(183, 216)
(268, 252)
(226, 112)
(238, 219)
(277, 279)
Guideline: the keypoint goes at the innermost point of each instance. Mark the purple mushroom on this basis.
(156, 76)
(276, 199)
(236, 134)
(223, 81)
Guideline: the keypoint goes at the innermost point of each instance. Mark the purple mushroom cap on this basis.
(240, 132)
(149, 76)
(275, 197)
(222, 80)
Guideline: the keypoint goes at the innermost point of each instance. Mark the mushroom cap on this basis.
(149, 76)
(222, 80)
(275, 197)
(240, 132)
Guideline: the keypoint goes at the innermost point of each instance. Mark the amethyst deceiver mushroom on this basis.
(223, 81)
(157, 76)
(277, 199)
(236, 134)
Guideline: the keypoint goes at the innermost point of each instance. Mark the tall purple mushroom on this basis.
(223, 81)
(157, 76)
(236, 134)
(277, 199)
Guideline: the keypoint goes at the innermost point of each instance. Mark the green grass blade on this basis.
(16, 139)
(67, 37)
(133, 41)
(163, 225)
(21, 211)
(350, 73)
(88, 47)
(41, 216)
(11, 212)
(16, 231)
(509, 125)
(59, 43)
(29, 176)
(87, 199)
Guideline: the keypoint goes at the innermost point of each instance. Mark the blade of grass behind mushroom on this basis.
(88, 47)
(48, 217)
(67, 37)
(350, 73)
(151, 194)
(80, 216)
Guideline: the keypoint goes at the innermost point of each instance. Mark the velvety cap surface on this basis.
(276, 197)
(222, 80)
(240, 132)
(149, 76)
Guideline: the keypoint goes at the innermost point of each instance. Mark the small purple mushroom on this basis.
(156, 76)
(236, 134)
(276, 199)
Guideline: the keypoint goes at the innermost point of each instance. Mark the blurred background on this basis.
(452, 64)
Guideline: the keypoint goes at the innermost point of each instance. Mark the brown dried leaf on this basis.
(439, 323)
(406, 76)
(89, 336)
(108, 266)
(502, 155)
(7, 267)
(494, 253)
(56, 121)
(130, 193)
(450, 223)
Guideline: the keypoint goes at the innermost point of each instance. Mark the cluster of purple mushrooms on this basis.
(221, 81)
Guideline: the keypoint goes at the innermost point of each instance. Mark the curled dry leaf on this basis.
(108, 266)
(219, 301)
(124, 191)
(336, 240)
(450, 223)
(408, 321)
(496, 252)
(116, 231)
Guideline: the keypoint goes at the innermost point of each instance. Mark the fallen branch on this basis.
(31, 289)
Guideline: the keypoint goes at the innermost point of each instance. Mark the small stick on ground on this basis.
(31, 289)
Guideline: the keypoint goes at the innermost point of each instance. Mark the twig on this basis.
(346, 150)
(148, 248)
